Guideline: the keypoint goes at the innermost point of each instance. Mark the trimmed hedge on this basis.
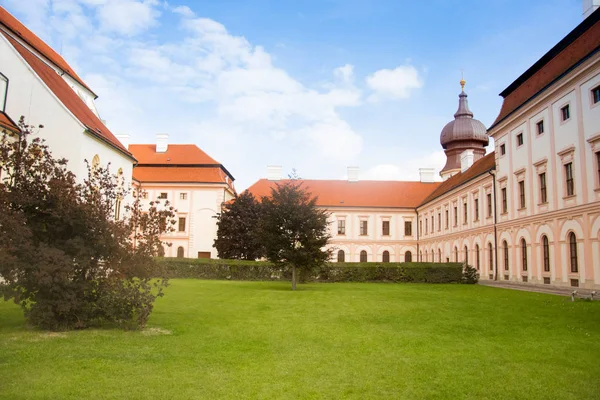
(332, 272)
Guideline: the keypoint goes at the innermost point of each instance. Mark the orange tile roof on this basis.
(580, 43)
(341, 193)
(481, 166)
(7, 123)
(176, 154)
(68, 97)
(21, 31)
(180, 174)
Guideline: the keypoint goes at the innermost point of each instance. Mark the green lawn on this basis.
(215, 339)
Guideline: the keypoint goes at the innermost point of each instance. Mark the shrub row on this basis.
(421, 272)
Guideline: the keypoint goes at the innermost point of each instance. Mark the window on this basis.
(505, 248)
(363, 256)
(491, 257)
(385, 257)
(182, 196)
(524, 254)
(408, 256)
(180, 252)
(520, 139)
(565, 113)
(421, 227)
(341, 256)
(573, 252)
(540, 127)
(455, 254)
(466, 255)
(569, 179)
(489, 204)
(439, 255)
(96, 161)
(341, 226)
(432, 228)
(546, 253)
(477, 260)
(447, 213)
(181, 225)
(522, 194)
(465, 212)
(3, 91)
(385, 228)
(504, 201)
(455, 216)
(543, 189)
(426, 225)
(596, 95)
(162, 195)
(439, 221)
(502, 149)
(408, 228)
(118, 209)
(476, 209)
(363, 228)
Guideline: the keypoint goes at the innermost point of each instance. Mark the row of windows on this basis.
(364, 227)
(465, 216)
(164, 196)
(385, 256)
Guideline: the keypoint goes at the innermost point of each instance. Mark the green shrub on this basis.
(470, 275)
(332, 272)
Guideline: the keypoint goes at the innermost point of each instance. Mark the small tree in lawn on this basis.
(293, 231)
(237, 229)
(63, 257)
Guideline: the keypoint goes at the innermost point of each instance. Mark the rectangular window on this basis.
(181, 225)
(502, 149)
(565, 113)
(540, 127)
(596, 95)
(439, 222)
(420, 227)
(426, 225)
(341, 226)
(447, 219)
(363, 228)
(385, 228)
(520, 139)
(489, 204)
(455, 216)
(569, 179)
(3, 91)
(522, 194)
(118, 209)
(543, 189)
(476, 209)
(408, 228)
(182, 196)
(432, 226)
(163, 195)
(504, 201)
(465, 212)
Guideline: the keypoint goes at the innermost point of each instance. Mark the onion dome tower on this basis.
(464, 133)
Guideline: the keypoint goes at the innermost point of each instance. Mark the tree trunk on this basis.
(293, 277)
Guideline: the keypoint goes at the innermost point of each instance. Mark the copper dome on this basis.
(464, 127)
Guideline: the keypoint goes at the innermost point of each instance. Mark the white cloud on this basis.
(127, 17)
(394, 83)
(344, 74)
(407, 169)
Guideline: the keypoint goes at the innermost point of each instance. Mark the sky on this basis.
(311, 85)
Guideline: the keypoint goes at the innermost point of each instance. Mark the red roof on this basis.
(177, 174)
(68, 97)
(21, 31)
(7, 123)
(176, 154)
(481, 166)
(342, 193)
(568, 53)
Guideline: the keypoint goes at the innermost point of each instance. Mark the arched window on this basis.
(505, 248)
(573, 252)
(477, 263)
(180, 252)
(3, 91)
(408, 256)
(95, 161)
(363, 256)
(455, 254)
(439, 255)
(466, 255)
(546, 253)
(341, 256)
(386, 256)
(524, 254)
(491, 257)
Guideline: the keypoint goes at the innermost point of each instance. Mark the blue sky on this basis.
(306, 84)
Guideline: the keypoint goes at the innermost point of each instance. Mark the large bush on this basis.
(330, 272)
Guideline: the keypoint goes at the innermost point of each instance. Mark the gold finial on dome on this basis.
(462, 80)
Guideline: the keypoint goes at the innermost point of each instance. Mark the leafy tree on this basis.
(292, 230)
(236, 229)
(63, 257)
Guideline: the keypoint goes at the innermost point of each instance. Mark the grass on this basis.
(216, 339)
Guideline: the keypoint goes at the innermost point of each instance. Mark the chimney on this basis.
(426, 175)
(466, 160)
(124, 139)
(589, 6)
(274, 172)
(353, 174)
(162, 142)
